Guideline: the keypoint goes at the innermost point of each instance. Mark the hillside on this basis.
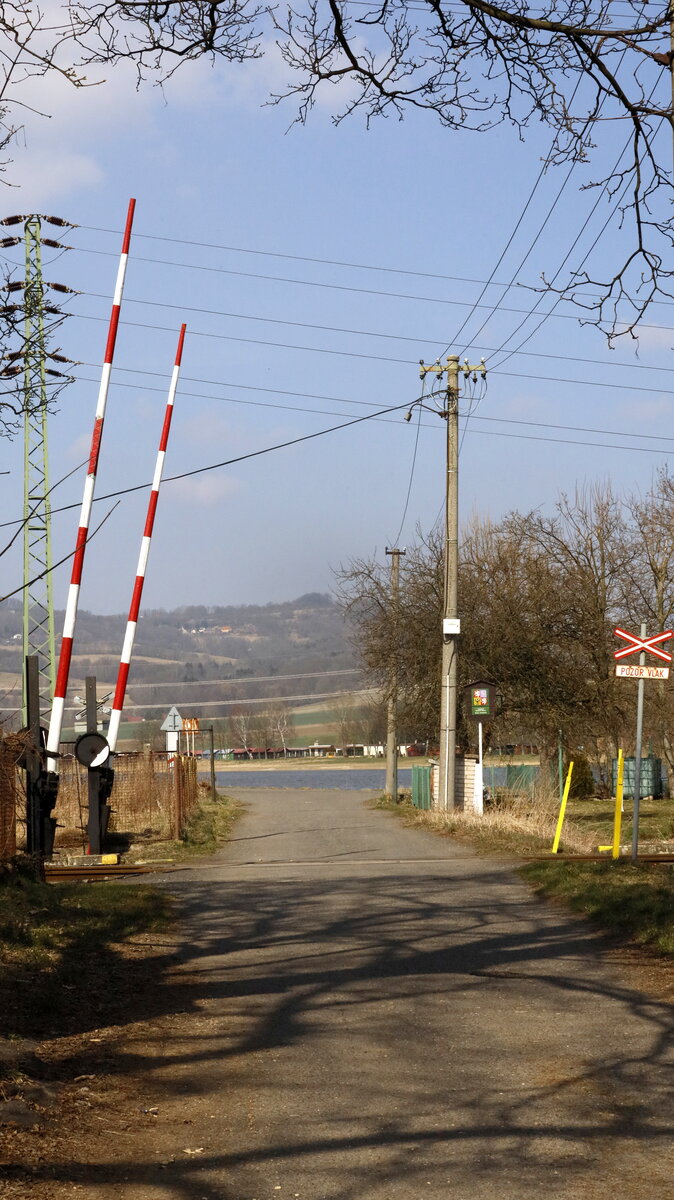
(178, 652)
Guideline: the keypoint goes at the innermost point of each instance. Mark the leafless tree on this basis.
(576, 67)
(240, 724)
(280, 723)
(539, 598)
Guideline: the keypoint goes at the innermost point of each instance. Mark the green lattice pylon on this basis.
(38, 605)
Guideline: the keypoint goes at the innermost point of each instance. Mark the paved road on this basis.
(383, 1014)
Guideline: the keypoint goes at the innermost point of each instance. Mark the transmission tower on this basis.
(37, 381)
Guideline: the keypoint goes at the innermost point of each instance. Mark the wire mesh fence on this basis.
(152, 797)
(10, 752)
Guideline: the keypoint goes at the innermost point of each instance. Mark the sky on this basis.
(314, 266)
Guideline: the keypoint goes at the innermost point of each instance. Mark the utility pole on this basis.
(451, 626)
(392, 698)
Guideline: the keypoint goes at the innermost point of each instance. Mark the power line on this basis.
(236, 681)
(354, 353)
(370, 333)
(307, 437)
(310, 696)
(425, 425)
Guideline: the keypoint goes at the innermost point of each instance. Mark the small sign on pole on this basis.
(172, 726)
(173, 722)
(641, 645)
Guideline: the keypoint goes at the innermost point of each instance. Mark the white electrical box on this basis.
(451, 626)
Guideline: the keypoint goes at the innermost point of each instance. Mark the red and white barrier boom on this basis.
(56, 722)
(130, 635)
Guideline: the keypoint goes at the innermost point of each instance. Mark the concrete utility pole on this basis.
(451, 626)
(392, 699)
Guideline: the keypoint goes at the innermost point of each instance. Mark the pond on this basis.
(345, 780)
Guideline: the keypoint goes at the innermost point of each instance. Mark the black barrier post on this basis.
(32, 757)
(41, 787)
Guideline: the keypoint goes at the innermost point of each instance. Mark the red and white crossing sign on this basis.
(649, 644)
(637, 644)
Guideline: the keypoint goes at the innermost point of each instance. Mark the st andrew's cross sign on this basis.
(638, 645)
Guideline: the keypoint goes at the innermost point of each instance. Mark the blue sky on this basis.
(232, 187)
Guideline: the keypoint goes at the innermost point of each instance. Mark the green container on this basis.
(421, 787)
(650, 779)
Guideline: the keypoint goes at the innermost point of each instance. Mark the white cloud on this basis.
(655, 337)
(204, 490)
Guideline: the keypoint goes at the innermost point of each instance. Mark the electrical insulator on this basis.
(58, 221)
(12, 220)
(10, 241)
(61, 287)
(16, 285)
(52, 244)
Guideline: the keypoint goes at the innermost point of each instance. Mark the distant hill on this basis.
(186, 647)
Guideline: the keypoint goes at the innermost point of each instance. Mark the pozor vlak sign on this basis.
(642, 645)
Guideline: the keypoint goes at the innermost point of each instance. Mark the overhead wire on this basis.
(419, 407)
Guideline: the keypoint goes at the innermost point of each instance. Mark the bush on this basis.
(583, 785)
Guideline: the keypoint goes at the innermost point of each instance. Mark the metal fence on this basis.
(10, 750)
(152, 798)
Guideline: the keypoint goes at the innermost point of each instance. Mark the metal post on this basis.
(560, 763)
(214, 794)
(392, 698)
(449, 669)
(93, 780)
(637, 755)
(38, 606)
(478, 798)
(32, 756)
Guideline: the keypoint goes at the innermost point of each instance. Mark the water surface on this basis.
(368, 779)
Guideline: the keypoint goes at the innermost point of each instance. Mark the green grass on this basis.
(636, 902)
(208, 827)
(59, 945)
(656, 819)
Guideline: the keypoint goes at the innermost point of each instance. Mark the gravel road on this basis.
(382, 1013)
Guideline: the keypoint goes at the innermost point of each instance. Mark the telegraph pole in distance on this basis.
(392, 698)
(451, 626)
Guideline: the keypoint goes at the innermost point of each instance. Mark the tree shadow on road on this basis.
(458, 1031)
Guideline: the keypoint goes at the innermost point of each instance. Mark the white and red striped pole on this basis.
(61, 687)
(130, 635)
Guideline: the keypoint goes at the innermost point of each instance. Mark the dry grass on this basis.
(517, 823)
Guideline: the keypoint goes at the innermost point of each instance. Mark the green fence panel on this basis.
(650, 778)
(421, 787)
(521, 776)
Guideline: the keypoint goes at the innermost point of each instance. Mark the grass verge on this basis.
(522, 825)
(59, 948)
(636, 902)
(208, 827)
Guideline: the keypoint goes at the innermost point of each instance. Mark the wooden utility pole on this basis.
(451, 626)
(392, 698)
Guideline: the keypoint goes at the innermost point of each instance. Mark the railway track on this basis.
(54, 874)
(643, 858)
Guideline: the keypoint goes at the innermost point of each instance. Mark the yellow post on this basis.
(617, 817)
(562, 810)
